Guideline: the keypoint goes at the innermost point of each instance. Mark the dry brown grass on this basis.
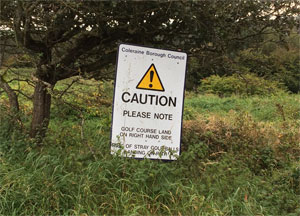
(240, 133)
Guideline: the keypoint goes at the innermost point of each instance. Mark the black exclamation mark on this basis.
(151, 78)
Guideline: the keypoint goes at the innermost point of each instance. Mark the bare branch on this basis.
(22, 93)
(8, 45)
(21, 80)
(68, 87)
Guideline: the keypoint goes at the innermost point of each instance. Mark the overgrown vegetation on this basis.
(240, 137)
(240, 156)
(239, 84)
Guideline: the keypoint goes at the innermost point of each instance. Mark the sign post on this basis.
(148, 103)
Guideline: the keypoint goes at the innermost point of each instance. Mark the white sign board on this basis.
(148, 102)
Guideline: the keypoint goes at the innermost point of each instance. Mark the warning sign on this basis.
(151, 80)
(148, 103)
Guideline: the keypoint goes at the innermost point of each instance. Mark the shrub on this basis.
(239, 84)
(278, 63)
(260, 146)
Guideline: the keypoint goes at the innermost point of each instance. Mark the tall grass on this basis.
(239, 157)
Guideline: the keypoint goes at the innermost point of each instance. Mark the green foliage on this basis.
(276, 58)
(267, 108)
(239, 84)
(231, 163)
(288, 67)
(240, 156)
(281, 64)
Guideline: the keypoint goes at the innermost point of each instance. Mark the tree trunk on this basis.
(12, 96)
(41, 111)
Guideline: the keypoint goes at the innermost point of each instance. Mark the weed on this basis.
(238, 158)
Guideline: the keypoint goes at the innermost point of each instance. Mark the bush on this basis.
(238, 84)
(280, 64)
(229, 166)
(260, 146)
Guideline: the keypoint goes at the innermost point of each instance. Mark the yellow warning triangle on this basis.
(151, 80)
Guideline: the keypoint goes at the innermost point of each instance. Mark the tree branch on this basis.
(86, 42)
(92, 69)
(22, 93)
(23, 35)
(54, 37)
(96, 66)
(68, 87)
(13, 99)
(260, 32)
